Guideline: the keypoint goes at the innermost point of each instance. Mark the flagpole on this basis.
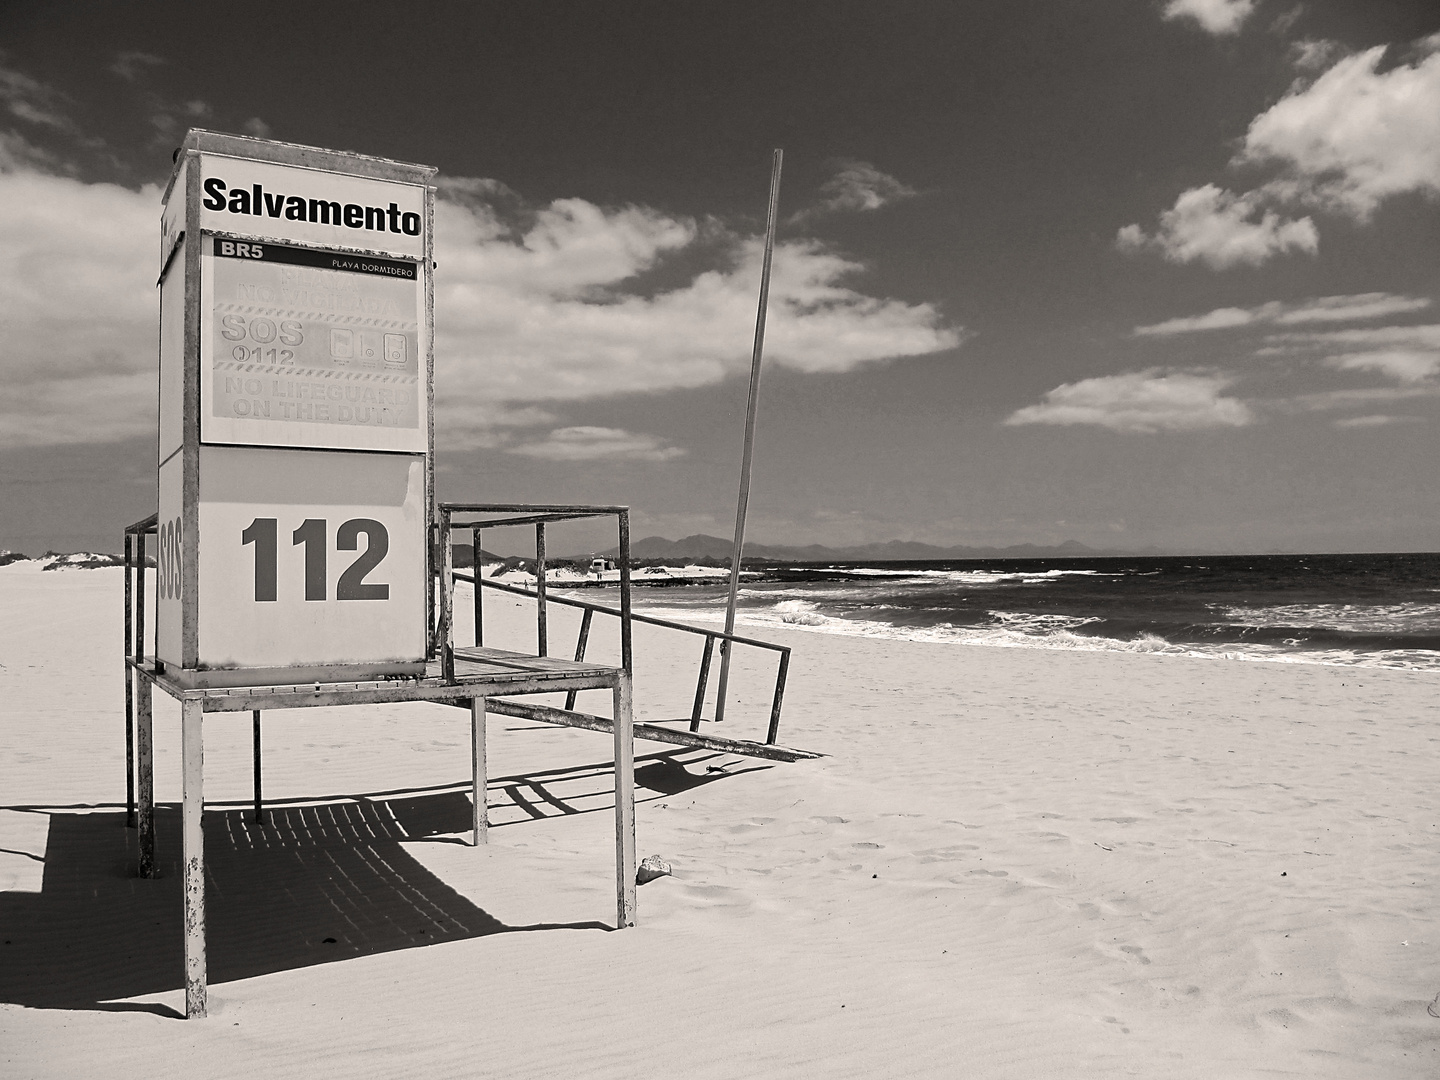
(744, 501)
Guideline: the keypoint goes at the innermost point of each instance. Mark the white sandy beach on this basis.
(1011, 863)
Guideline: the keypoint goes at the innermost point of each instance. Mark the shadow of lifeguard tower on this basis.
(315, 881)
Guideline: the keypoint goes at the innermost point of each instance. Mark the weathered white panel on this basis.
(310, 558)
(172, 215)
(167, 555)
(309, 348)
(172, 356)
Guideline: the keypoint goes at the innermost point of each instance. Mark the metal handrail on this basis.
(711, 636)
(653, 620)
(538, 515)
(134, 639)
(136, 612)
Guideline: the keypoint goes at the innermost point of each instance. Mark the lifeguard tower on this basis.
(301, 558)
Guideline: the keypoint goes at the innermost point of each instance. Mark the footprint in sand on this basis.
(946, 854)
(1137, 952)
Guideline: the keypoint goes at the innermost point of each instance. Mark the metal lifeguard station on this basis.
(297, 534)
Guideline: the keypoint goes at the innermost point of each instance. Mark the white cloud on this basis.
(1219, 319)
(1403, 365)
(78, 303)
(1214, 16)
(171, 119)
(522, 320)
(597, 444)
(1342, 142)
(545, 315)
(1408, 355)
(130, 65)
(1426, 336)
(32, 101)
(1355, 135)
(1310, 55)
(1352, 308)
(1221, 229)
(1142, 402)
(857, 186)
(1377, 420)
(1364, 397)
(1357, 397)
(18, 153)
(574, 249)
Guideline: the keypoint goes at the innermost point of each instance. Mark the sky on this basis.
(1144, 274)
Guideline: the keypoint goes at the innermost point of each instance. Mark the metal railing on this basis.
(520, 514)
(539, 516)
(134, 642)
(517, 514)
(135, 594)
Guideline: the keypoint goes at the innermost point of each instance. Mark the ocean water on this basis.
(1360, 610)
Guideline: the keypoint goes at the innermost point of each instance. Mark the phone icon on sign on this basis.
(394, 350)
(342, 346)
(367, 347)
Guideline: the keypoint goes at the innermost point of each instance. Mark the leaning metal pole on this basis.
(744, 501)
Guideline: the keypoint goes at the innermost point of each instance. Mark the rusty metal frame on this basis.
(488, 672)
(478, 518)
(481, 516)
(542, 597)
(134, 643)
(711, 636)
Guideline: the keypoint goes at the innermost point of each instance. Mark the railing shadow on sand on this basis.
(320, 880)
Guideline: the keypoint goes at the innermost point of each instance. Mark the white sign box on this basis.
(300, 347)
(295, 403)
(311, 559)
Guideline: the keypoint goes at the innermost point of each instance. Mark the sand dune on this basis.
(1012, 863)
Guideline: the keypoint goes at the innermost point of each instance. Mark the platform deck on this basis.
(478, 672)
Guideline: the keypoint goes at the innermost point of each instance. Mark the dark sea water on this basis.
(1365, 610)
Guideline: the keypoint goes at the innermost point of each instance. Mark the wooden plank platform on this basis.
(483, 663)
(478, 672)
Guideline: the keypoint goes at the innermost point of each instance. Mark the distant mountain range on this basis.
(701, 546)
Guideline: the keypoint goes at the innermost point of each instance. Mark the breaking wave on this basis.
(1377, 610)
(1028, 630)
